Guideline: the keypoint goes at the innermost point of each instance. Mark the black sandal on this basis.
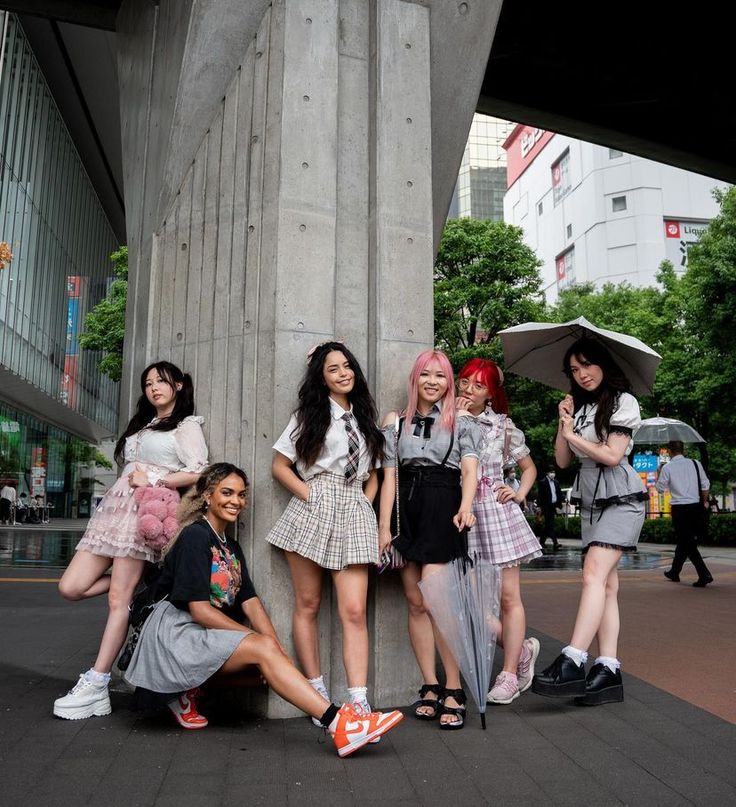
(433, 703)
(457, 711)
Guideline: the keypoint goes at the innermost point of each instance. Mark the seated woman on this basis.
(198, 631)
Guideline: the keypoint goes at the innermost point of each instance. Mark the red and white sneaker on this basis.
(184, 709)
(351, 730)
(364, 708)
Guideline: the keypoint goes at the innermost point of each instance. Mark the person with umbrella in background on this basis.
(596, 422)
(689, 486)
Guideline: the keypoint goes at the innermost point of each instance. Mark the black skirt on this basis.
(429, 497)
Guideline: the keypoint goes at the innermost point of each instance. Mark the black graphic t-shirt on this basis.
(200, 568)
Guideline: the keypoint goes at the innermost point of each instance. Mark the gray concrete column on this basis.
(281, 191)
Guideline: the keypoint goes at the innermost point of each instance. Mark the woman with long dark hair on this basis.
(435, 454)
(197, 628)
(596, 423)
(326, 458)
(503, 535)
(162, 445)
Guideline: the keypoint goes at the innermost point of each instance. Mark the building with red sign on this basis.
(595, 214)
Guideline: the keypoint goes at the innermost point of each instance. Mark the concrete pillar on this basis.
(280, 192)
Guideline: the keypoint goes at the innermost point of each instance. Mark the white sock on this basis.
(613, 664)
(358, 694)
(94, 677)
(318, 684)
(578, 656)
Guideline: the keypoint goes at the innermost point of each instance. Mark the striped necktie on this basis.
(351, 469)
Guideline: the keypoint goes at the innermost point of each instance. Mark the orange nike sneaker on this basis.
(352, 730)
(184, 709)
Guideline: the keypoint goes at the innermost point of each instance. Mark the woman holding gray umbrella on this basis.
(596, 422)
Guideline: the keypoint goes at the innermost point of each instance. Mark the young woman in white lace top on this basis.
(162, 445)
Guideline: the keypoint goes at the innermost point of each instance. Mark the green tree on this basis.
(485, 279)
(105, 323)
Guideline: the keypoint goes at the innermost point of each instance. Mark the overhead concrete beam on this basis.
(91, 13)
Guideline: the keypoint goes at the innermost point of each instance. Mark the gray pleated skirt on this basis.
(174, 653)
(612, 503)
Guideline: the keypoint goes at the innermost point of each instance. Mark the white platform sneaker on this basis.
(85, 699)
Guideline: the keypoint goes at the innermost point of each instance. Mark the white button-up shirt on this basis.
(680, 478)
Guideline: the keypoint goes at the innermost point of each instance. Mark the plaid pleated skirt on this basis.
(336, 527)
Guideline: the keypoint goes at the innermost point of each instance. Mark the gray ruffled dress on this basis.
(611, 497)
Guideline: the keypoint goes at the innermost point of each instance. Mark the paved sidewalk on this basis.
(654, 749)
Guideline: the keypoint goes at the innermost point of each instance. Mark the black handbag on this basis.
(140, 608)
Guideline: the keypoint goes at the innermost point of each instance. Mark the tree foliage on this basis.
(105, 323)
(484, 282)
(485, 279)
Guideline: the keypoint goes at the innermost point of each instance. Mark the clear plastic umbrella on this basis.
(464, 601)
(654, 431)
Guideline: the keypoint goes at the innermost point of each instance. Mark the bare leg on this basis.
(421, 633)
(85, 576)
(282, 676)
(306, 577)
(610, 624)
(599, 563)
(351, 585)
(126, 574)
(514, 618)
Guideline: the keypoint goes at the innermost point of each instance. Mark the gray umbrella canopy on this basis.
(657, 431)
(536, 349)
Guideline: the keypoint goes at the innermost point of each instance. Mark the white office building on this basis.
(594, 214)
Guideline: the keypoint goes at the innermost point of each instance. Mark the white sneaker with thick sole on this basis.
(86, 699)
(525, 667)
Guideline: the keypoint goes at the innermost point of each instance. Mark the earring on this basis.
(206, 504)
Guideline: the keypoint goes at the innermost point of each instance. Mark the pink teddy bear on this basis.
(157, 523)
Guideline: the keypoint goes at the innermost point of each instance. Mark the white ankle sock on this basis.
(94, 677)
(613, 664)
(318, 684)
(358, 694)
(578, 656)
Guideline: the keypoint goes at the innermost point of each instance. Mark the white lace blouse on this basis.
(181, 449)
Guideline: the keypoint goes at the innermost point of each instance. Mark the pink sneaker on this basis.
(505, 689)
(525, 667)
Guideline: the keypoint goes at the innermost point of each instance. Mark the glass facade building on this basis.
(481, 182)
(53, 400)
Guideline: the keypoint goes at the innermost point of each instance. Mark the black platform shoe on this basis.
(562, 679)
(602, 686)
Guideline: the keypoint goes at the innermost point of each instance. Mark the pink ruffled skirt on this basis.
(112, 530)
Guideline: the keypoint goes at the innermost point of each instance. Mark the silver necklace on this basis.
(220, 538)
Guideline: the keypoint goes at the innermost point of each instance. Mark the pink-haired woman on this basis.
(435, 454)
(502, 535)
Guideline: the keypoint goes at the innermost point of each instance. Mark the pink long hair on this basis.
(488, 374)
(447, 421)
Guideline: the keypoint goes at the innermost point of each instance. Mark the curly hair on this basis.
(146, 411)
(613, 384)
(313, 414)
(192, 504)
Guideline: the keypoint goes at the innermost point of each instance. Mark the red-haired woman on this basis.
(502, 534)
(436, 456)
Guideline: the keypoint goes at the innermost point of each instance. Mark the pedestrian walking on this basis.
(550, 500)
(196, 629)
(502, 534)
(596, 423)
(162, 445)
(326, 458)
(435, 454)
(689, 486)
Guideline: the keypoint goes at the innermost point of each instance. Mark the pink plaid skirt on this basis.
(502, 534)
